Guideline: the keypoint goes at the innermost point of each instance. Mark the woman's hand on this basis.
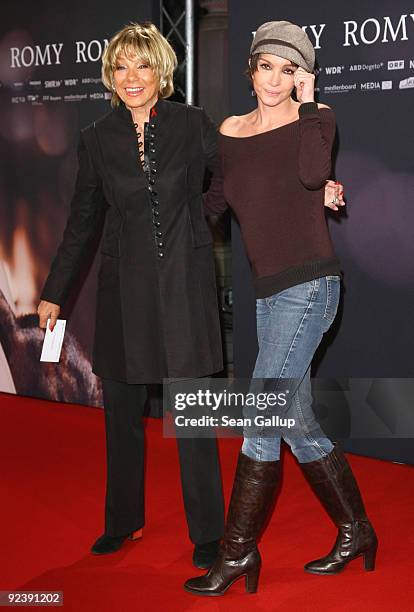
(305, 85)
(47, 310)
(334, 195)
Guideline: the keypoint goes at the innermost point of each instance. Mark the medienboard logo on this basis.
(396, 65)
(329, 89)
(407, 83)
(386, 84)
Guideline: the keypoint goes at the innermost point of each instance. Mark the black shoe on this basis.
(109, 544)
(204, 555)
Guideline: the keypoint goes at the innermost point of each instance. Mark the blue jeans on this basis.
(290, 326)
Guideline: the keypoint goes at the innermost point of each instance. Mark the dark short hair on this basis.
(253, 62)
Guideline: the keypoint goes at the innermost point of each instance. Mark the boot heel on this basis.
(136, 535)
(369, 559)
(252, 579)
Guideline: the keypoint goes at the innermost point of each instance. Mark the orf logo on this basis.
(396, 65)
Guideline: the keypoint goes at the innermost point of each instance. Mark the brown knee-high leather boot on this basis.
(332, 480)
(252, 497)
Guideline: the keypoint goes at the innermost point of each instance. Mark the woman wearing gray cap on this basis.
(271, 170)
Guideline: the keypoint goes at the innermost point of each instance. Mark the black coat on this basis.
(157, 312)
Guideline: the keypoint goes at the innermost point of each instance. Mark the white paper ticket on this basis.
(52, 344)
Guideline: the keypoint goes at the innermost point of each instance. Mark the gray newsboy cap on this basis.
(286, 40)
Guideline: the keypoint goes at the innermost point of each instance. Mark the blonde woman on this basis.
(157, 314)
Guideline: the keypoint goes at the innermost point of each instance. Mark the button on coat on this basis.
(157, 313)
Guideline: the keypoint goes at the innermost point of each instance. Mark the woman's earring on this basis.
(163, 83)
(253, 93)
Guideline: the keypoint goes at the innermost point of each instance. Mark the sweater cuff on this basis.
(308, 108)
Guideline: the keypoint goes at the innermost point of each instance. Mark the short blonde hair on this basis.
(147, 43)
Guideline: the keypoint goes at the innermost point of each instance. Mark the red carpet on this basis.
(52, 487)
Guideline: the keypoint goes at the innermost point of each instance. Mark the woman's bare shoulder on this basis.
(323, 106)
(232, 125)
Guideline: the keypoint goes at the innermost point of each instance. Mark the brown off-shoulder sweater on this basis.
(274, 182)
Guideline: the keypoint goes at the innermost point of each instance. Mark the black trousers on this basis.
(125, 448)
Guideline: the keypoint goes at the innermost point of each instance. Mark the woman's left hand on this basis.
(305, 85)
(334, 195)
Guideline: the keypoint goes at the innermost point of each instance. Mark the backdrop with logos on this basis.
(50, 87)
(365, 67)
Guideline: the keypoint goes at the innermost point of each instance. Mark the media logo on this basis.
(334, 69)
(407, 83)
(396, 65)
(370, 86)
(412, 64)
(386, 84)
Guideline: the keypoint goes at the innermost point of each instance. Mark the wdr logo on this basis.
(333, 69)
